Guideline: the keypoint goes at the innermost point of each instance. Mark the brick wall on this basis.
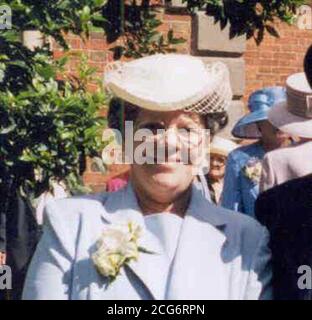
(271, 62)
(266, 65)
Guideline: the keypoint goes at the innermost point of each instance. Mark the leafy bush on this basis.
(250, 17)
(57, 17)
(137, 29)
(48, 128)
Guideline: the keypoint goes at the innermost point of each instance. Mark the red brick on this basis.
(75, 43)
(98, 44)
(98, 56)
(177, 17)
(284, 56)
(265, 69)
(266, 54)
(58, 54)
(97, 35)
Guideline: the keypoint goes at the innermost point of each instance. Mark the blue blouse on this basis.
(239, 191)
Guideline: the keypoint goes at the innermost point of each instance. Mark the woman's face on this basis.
(174, 135)
(271, 135)
(217, 167)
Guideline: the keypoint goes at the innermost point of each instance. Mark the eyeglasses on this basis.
(153, 132)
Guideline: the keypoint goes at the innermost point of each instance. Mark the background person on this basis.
(19, 238)
(219, 151)
(118, 182)
(244, 165)
(286, 208)
(307, 65)
(293, 117)
(286, 211)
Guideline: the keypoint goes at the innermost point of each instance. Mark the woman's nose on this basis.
(215, 163)
(171, 138)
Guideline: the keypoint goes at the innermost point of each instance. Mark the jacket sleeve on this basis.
(259, 285)
(231, 197)
(49, 274)
(2, 231)
(267, 180)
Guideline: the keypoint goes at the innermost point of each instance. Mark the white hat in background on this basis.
(168, 82)
(294, 116)
(222, 146)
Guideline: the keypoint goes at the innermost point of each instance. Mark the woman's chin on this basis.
(165, 178)
(216, 176)
(167, 182)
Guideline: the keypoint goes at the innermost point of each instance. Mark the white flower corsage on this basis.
(117, 246)
(252, 170)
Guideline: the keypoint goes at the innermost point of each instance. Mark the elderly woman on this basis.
(244, 166)
(219, 151)
(157, 238)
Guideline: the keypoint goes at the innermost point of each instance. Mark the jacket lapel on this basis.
(199, 264)
(150, 269)
(191, 276)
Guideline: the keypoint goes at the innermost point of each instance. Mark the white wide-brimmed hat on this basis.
(168, 82)
(222, 146)
(294, 116)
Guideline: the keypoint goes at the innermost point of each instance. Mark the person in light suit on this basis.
(159, 237)
(286, 164)
(295, 119)
(285, 208)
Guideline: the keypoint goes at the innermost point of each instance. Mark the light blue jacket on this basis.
(239, 192)
(220, 255)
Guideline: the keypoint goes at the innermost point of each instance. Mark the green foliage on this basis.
(56, 17)
(135, 24)
(48, 128)
(137, 29)
(250, 17)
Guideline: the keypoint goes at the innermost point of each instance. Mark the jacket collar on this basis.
(198, 263)
(152, 269)
(123, 205)
(204, 210)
